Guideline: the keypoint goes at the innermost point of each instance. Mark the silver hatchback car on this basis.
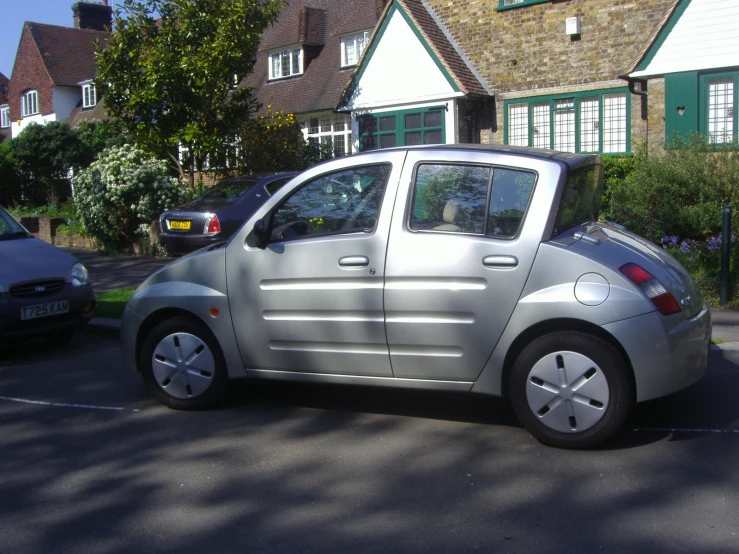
(457, 268)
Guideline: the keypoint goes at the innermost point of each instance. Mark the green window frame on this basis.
(719, 106)
(402, 128)
(597, 121)
(511, 4)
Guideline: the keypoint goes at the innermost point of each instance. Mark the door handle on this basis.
(500, 262)
(354, 261)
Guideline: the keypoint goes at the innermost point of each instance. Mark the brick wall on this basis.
(29, 72)
(526, 49)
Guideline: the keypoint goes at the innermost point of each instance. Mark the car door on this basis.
(311, 300)
(458, 258)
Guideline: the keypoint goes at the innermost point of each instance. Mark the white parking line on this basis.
(677, 430)
(62, 405)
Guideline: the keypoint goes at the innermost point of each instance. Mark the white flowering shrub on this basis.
(122, 193)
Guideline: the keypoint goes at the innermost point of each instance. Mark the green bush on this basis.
(616, 170)
(120, 195)
(680, 191)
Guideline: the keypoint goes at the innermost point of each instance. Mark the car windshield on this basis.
(222, 193)
(9, 227)
(581, 198)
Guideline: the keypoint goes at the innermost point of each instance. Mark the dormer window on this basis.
(4, 117)
(89, 95)
(352, 47)
(286, 63)
(29, 103)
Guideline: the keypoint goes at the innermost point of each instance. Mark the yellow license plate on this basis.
(180, 225)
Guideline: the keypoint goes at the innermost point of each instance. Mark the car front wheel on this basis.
(571, 389)
(182, 365)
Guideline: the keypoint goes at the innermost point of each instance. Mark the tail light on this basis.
(655, 291)
(212, 225)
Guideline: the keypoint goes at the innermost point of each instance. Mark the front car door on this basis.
(458, 258)
(312, 300)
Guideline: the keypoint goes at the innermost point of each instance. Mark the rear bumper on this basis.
(665, 358)
(184, 244)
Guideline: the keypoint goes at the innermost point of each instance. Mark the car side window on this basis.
(341, 202)
(450, 198)
(276, 185)
(509, 197)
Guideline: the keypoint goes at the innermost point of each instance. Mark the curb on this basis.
(725, 346)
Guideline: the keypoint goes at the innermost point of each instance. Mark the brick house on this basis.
(54, 69)
(305, 60)
(4, 108)
(693, 60)
(551, 73)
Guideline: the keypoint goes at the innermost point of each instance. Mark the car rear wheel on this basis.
(182, 365)
(571, 389)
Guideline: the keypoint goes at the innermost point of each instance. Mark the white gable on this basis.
(399, 70)
(705, 37)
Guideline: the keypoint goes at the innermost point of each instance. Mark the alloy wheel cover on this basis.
(183, 365)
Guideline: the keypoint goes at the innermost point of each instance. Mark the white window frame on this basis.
(29, 103)
(89, 95)
(330, 126)
(354, 44)
(278, 69)
(4, 117)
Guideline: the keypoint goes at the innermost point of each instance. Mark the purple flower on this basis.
(714, 243)
(669, 241)
(685, 246)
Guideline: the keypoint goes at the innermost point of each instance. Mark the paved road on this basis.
(90, 463)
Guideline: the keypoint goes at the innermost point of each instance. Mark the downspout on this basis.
(641, 92)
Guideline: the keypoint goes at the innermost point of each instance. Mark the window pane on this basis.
(542, 132)
(387, 123)
(313, 129)
(350, 51)
(518, 124)
(326, 124)
(339, 145)
(276, 66)
(412, 139)
(721, 110)
(614, 123)
(432, 137)
(508, 200)
(564, 125)
(296, 62)
(413, 121)
(450, 198)
(285, 63)
(432, 119)
(387, 141)
(589, 125)
(340, 202)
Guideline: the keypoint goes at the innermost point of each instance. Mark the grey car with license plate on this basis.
(453, 268)
(43, 290)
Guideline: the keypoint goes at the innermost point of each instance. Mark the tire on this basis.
(183, 366)
(571, 390)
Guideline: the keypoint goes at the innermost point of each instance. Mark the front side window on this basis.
(89, 96)
(29, 103)
(286, 63)
(719, 107)
(4, 117)
(346, 201)
(584, 122)
(352, 47)
(478, 200)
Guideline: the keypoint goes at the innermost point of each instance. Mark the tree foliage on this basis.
(170, 71)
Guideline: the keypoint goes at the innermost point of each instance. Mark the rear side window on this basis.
(469, 199)
(581, 198)
(276, 185)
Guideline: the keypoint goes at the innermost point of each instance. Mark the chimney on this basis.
(312, 26)
(93, 15)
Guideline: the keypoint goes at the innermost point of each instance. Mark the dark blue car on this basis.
(219, 212)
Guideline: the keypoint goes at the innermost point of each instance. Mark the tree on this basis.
(97, 135)
(170, 70)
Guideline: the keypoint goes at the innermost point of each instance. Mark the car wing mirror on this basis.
(259, 235)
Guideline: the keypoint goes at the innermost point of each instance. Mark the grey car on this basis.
(453, 268)
(43, 290)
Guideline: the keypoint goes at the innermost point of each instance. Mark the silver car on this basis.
(453, 268)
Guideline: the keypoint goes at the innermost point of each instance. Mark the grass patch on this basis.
(717, 341)
(110, 304)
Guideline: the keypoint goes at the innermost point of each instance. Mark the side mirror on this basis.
(259, 236)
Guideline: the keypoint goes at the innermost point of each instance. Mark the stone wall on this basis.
(525, 51)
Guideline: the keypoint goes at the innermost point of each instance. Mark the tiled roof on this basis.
(79, 114)
(68, 53)
(446, 50)
(321, 84)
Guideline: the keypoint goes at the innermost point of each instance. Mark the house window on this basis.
(4, 117)
(29, 103)
(580, 122)
(285, 63)
(507, 4)
(89, 96)
(352, 47)
(719, 106)
(406, 128)
(332, 131)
